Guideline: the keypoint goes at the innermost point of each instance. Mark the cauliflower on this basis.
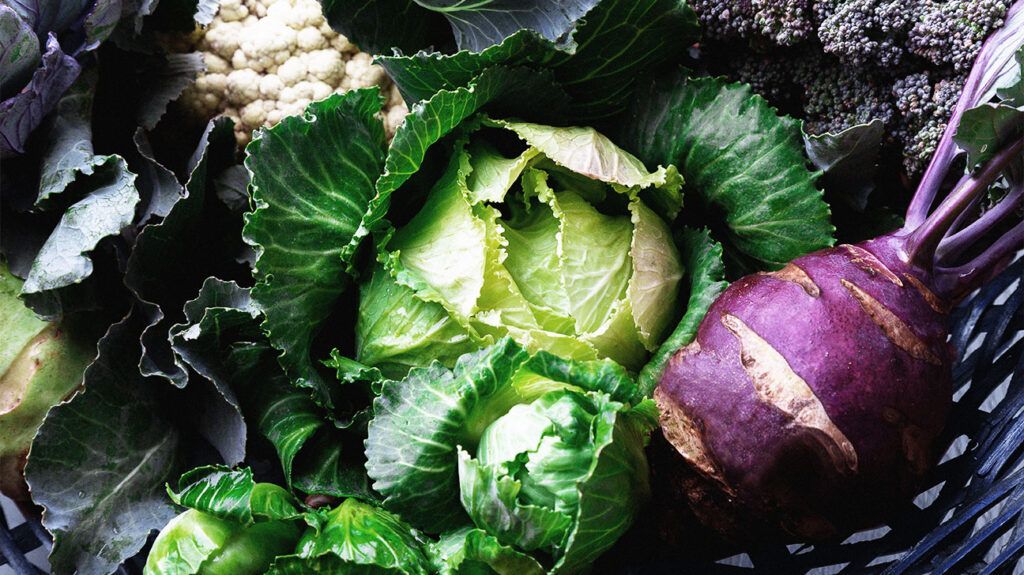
(268, 59)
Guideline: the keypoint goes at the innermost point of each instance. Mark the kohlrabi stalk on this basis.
(810, 400)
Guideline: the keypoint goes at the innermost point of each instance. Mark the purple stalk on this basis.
(959, 280)
(923, 241)
(997, 50)
(964, 218)
(954, 245)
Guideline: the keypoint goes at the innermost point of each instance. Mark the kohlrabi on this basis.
(545, 456)
(550, 235)
(234, 526)
(41, 363)
(811, 397)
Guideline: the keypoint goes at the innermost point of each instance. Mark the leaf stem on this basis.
(924, 240)
(954, 282)
(954, 245)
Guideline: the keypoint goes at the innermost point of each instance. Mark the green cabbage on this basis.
(544, 455)
(554, 245)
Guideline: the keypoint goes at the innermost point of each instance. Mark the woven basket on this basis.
(971, 519)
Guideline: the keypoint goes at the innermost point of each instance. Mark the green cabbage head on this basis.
(543, 456)
(553, 236)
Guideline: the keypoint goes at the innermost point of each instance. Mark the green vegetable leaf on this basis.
(617, 479)
(481, 24)
(435, 118)
(378, 26)
(316, 456)
(360, 538)
(234, 496)
(738, 157)
(597, 69)
(657, 270)
(848, 161)
(469, 551)
(984, 128)
(174, 257)
(311, 188)
(64, 261)
(706, 278)
(397, 330)
(114, 430)
(417, 423)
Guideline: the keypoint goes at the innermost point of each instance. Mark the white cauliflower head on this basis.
(268, 59)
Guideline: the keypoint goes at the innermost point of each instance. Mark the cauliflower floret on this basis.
(268, 59)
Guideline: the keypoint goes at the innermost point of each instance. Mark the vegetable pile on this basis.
(441, 287)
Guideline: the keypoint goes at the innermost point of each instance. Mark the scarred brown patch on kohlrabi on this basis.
(898, 332)
(913, 442)
(867, 261)
(933, 301)
(686, 437)
(778, 385)
(795, 274)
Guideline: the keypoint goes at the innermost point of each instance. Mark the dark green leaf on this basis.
(312, 178)
(705, 275)
(122, 451)
(173, 258)
(848, 161)
(64, 261)
(377, 26)
(738, 157)
(599, 69)
(316, 456)
(984, 129)
(484, 23)
(166, 83)
(158, 186)
(68, 151)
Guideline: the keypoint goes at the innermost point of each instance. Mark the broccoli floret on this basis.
(778, 22)
(951, 33)
(865, 31)
(783, 22)
(925, 106)
(836, 97)
(725, 20)
(837, 63)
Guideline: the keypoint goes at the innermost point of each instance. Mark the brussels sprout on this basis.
(555, 245)
(197, 543)
(543, 454)
(234, 527)
(40, 364)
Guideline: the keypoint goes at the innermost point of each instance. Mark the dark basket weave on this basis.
(970, 521)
